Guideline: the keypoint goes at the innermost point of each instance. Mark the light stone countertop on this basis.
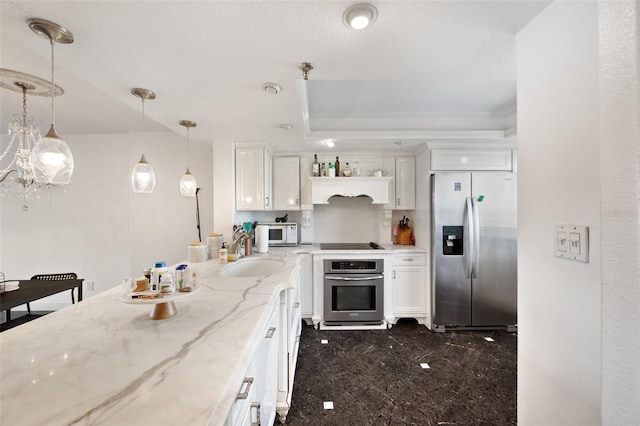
(103, 361)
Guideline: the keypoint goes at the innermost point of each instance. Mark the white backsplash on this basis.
(347, 220)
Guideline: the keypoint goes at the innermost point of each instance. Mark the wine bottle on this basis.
(316, 166)
(337, 166)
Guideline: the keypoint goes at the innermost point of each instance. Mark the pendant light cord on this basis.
(53, 85)
(188, 147)
(144, 129)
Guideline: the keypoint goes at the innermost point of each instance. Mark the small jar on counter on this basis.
(182, 277)
(156, 274)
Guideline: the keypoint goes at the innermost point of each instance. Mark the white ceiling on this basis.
(424, 70)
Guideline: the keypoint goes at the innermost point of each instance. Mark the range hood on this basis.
(377, 188)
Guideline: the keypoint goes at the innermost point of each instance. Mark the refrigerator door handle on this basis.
(468, 224)
(476, 237)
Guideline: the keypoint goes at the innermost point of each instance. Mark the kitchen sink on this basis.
(253, 267)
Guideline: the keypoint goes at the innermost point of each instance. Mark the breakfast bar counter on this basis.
(103, 361)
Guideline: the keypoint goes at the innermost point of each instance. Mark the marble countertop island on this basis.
(102, 361)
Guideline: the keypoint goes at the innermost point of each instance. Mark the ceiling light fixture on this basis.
(271, 88)
(360, 16)
(188, 183)
(305, 67)
(286, 126)
(51, 158)
(143, 178)
(330, 143)
(400, 143)
(17, 177)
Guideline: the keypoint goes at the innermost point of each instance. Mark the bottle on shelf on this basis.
(316, 166)
(332, 170)
(323, 170)
(337, 166)
(347, 170)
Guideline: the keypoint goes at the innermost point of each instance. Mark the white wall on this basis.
(81, 228)
(96, 226)
(564, 306)
(163, 223)
(620, 182)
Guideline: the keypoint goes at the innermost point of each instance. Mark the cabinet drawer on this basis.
(409, 259)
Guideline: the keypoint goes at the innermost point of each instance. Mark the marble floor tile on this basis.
(374, 377)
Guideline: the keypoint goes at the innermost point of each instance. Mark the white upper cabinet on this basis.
(471, 159)
(253, 179)
(405, 183)
(286, 183)
(404, 190)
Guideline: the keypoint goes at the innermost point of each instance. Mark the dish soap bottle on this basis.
(222, 254)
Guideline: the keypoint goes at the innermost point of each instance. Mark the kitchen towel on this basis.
(262, 238)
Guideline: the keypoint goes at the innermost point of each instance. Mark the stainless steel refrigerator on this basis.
(474, 248)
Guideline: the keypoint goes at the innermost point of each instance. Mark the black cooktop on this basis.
(350, 246)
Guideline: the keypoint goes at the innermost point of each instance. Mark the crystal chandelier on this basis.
(17, 176)
(188, 182)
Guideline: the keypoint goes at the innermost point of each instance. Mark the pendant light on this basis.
(51, 158)
(143, 178)
(188, 183)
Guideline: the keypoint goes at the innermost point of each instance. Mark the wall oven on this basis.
(353, 292)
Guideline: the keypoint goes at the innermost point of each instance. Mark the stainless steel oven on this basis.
(353, 292)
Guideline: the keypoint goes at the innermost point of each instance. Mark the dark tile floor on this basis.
(374, 377)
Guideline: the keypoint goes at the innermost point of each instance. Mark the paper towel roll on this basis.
(262, 238)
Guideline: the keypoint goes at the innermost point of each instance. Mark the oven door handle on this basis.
(375, 277)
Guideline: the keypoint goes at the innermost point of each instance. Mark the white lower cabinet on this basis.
(268, 383)
(409, 289)
(255, 403)
(306, 285)
(291, 317)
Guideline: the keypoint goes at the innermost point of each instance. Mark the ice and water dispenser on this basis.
(452, 240)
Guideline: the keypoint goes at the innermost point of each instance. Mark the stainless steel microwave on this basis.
(283, 234)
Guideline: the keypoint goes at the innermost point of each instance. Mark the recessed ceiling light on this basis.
(286, 126)
(360, 16)
(330, 143)
(271, 88)
(400, 142)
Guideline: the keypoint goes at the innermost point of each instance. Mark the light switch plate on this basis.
(572, 242)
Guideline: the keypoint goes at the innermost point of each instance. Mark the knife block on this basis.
(404, 236)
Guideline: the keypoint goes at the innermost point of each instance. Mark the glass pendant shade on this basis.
(51, 160)
(143, 178)
(188, 185)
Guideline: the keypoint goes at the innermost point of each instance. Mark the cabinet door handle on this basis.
(296, 305)
(267, 201)
(297, 201)
(408, 260)
(256, 406)
(248, 381)
(270, 333)
(394, 275)
(298, 338)
(398, 201)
